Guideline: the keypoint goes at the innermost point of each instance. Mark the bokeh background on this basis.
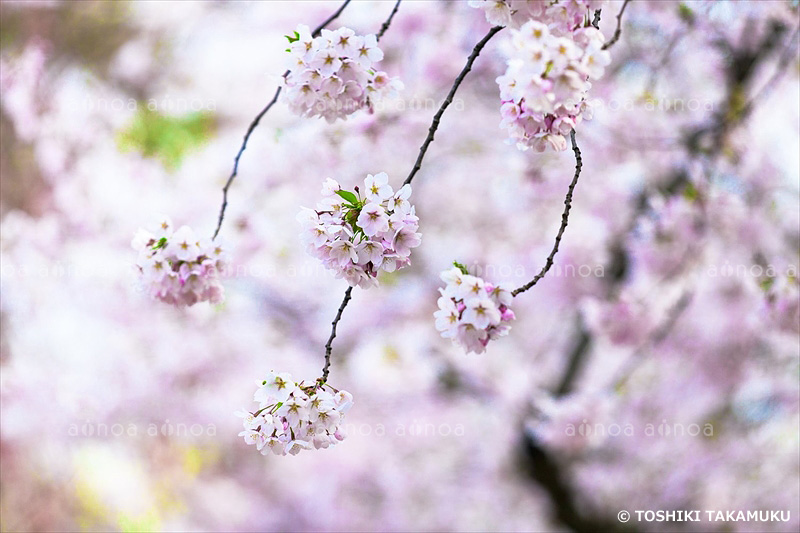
(655, 367)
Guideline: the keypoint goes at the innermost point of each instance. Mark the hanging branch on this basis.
(541, 463)
(564, 220)
(255, 122)
(618, 31)
(329, 344)
(417, 165)
(385, 25)
(447, 101)
(330, 19)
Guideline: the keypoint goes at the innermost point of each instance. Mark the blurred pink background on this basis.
(655, 367)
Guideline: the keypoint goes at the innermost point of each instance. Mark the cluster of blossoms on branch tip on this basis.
(471, 311)
(561, 15)
(358, 233)
(177, 267)
(294, 416)
(543, 90)
(552, 54)
(333, 75)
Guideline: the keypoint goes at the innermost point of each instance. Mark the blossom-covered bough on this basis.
(257, 120)
(553, 50)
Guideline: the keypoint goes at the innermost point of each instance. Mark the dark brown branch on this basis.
(596, 19)
(447, 101)
(330, 19)
(329, 344)
(254, 124)
(618, 31)
(239, 154)
(385, 25)
(786, 57)
(541, 466)
(431, 131)
(564, 219)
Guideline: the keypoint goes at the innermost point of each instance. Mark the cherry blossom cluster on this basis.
(562, 16)
(177, 267)
(544, 89)
(334, 75)
(471, 311)
(358, 233)
(294, 416)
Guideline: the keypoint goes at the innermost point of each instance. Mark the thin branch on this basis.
(564, 219)
(330, 19)
(329, 344)
(255, 122)
(431, 131)
(596, 19)
(239, 154)
(447, 101)
(618, 31)
(385, 25)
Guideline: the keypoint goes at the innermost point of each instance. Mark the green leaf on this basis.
(167, 137)
(690, 192)
(461, 267)
(347, 195)
(686, 13)
(293, 39)
(160, 244)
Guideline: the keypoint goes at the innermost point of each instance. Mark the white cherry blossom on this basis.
(472, 312)
(294, 416)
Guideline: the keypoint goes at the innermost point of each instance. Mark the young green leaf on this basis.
(347, 195)
(461, 267)
(160, 244)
